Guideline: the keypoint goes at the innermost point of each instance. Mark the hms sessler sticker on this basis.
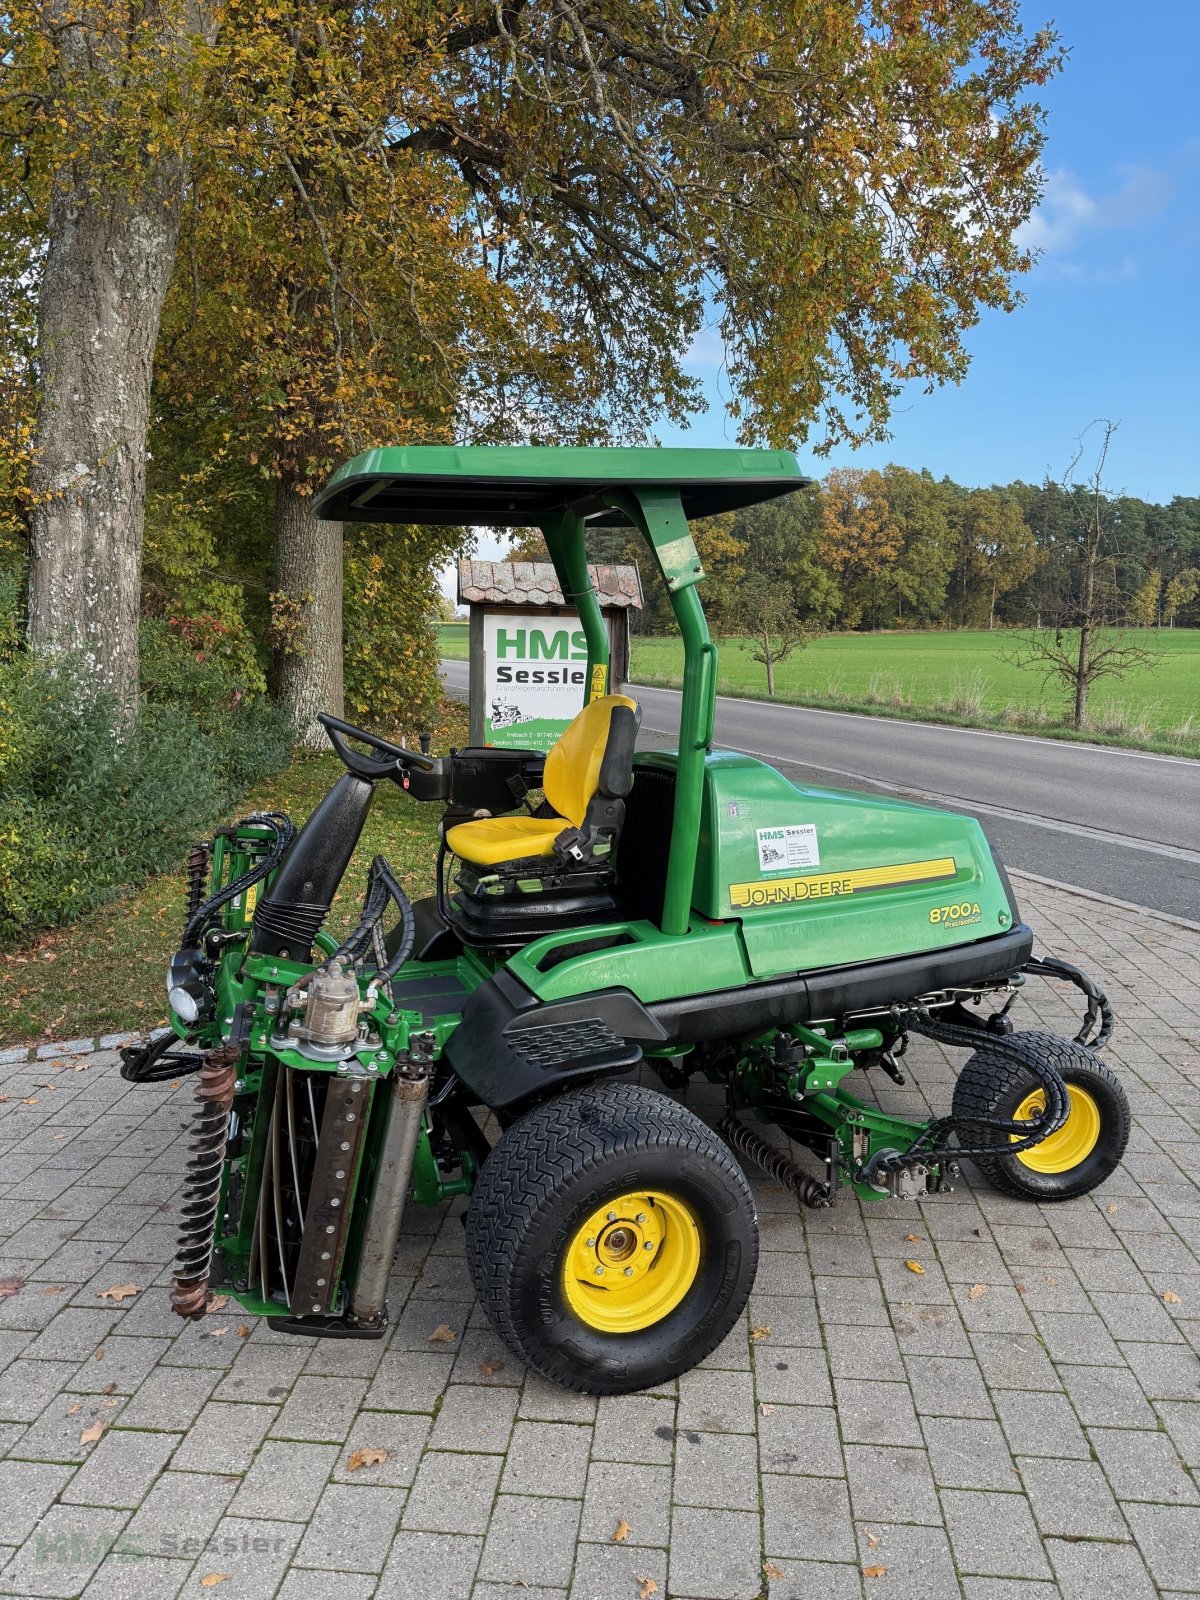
(785, 849)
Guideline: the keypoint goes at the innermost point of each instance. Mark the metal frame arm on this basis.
(564, 536)
(659, 515)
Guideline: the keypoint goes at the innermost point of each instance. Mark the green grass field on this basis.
(966, 677)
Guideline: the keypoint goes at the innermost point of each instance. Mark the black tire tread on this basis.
(987, 1080)
(548, 1145)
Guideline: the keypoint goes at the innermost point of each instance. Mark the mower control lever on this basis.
(400, 758)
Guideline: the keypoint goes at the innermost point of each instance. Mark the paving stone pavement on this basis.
(890, 1435)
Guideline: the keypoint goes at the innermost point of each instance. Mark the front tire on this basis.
(1085, 1150)
(612, 1239)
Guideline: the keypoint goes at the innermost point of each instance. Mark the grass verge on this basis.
(964, 679)
(105, 972)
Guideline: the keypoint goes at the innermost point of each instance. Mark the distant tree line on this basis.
(865, 549)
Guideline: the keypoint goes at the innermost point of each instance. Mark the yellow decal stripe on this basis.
(826, 885)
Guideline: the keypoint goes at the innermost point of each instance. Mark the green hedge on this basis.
(86, 811)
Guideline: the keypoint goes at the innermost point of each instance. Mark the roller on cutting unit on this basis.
(593, 910)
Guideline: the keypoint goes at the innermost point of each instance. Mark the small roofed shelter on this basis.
(527, 649)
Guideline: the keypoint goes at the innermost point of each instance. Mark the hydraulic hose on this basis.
(284, 831)
(1015, 1137)
(1098, 1015)
(382, 886)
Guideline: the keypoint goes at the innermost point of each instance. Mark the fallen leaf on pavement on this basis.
(872, 1540)
(977, 1291)
(622, 1532)
(243, 1331)
(98, 1353)
(90, 1435)
(213, 1579)
(54, 1288)
(646, 1587)
(442, 1335)
(367, 1457)
(119, 1292)
(78, 1406)
(766, 1408)
(489, 1369)
(218, 1302)
(874, 1572)
(772, 1570)
(10, 1286)
(763, 1332)
(1170, 1298)
(914, 1238)
(1111, 1208)
(110, 1388)
(215, 1333)
(915, 1266)
(31, 1101)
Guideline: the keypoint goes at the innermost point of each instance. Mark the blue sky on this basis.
(1110, 325)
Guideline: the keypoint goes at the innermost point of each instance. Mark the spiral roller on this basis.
(773, 1162)
(202, 1190)
(197, 866)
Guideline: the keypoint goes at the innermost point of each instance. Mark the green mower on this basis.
(692, 912)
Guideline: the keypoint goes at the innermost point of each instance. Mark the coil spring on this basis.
(196, 867)
(773, 1162)
(202, 1189)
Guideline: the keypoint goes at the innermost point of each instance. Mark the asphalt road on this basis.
(1116, 822)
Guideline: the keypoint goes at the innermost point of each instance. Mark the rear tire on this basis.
(1089, 1146)
(621, 1178)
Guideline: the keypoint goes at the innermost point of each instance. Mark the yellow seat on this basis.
(573, 777)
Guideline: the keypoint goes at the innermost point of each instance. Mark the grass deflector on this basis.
(691, 910)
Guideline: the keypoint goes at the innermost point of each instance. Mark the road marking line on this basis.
(957, 802)
(940, 727)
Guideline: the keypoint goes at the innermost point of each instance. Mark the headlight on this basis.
(189, 993)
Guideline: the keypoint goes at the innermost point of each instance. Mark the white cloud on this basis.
(1068, 212)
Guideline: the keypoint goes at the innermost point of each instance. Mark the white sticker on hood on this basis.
(780, 849)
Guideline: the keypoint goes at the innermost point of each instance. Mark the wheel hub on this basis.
(631, 1262)
(1072, 1143)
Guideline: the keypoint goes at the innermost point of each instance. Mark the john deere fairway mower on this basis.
(693, 911)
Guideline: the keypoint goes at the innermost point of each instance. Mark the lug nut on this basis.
(612, 1216)
(647, 1245)
(591, 1244)
(629, 1272)
(641, 1217)
(599, 1272)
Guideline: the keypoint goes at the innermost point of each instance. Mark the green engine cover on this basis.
(828, 878)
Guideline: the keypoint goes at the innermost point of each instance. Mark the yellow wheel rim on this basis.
(631, 1262)
(1073, 1142)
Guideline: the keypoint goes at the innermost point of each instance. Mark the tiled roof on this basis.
(507, 583)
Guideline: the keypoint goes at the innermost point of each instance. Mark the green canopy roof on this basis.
(515, 486)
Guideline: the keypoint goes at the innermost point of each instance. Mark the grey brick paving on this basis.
(1036, 1441)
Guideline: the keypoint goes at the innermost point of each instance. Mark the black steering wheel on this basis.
(399, 758)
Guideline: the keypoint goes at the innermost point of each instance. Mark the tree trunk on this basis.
(1084, 659)
(308, 574)
(111, 239)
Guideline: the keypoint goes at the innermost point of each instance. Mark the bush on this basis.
(85, 810)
